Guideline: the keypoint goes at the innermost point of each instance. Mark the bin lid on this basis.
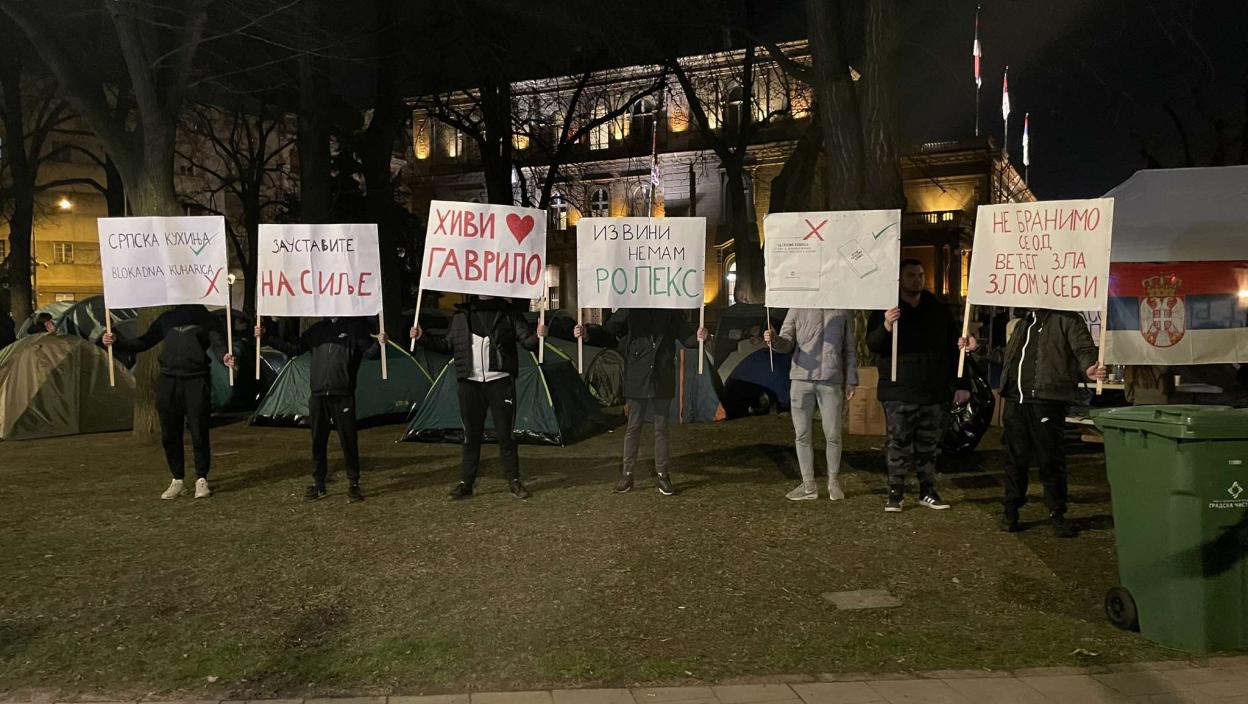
(1184, 422)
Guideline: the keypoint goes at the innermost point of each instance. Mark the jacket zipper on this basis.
(1023, 357)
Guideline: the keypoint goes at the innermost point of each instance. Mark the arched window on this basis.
(600, 203)
(639, 204)
(643, 119)
(730, 281)
(734, 109)
(558, 212)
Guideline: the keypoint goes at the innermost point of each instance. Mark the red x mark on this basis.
(212, 283)
(814, 230)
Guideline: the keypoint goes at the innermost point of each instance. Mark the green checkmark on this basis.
(876, 236)
(202, 248)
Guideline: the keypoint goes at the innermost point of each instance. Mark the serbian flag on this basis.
(976, 52)
(1026, 139)
(1178, 313)
(1005, 95)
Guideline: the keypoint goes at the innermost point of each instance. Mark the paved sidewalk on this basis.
(1217, 680)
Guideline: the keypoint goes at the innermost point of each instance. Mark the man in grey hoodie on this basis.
(824, 373)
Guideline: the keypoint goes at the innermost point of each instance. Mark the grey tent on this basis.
(603, 370)
(377, 400)
(53, 384)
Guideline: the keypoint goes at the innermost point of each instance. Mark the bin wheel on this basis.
(1120, 609)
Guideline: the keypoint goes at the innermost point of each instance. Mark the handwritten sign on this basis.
(492, 250)
(163, 261)
(1049, 254)
(846, 259)
(318, 270)
(640, 262)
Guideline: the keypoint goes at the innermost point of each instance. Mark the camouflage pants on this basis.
(913, 439)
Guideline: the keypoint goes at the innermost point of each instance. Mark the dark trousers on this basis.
(913, 440)
(184, 403)
(338, 412)
(498, 397)
(1034, 433)
(641, 410)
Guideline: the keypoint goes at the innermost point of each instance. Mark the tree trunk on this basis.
(834, 92)
(251, 221)
(22, 175)
(879, 105)
(744, 231)
(313, 139)
(496, 148)
(794, 189)
(115, 189)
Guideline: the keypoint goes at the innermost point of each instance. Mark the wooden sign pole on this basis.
(108, 328)
(420, 292)
(966, 330)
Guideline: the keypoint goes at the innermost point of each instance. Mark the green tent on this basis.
(553, 405)
(53, 384)
(377, 400)
(247, 390)
(603, 370)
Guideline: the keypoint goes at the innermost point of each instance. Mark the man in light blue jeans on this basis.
(824, 374)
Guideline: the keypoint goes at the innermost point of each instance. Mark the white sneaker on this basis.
(201, 488)
(176, 488)
(803, 492)
(835, 492)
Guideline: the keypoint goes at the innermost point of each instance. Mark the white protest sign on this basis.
(640, 262)
(1048, 254)
(163, 261)
(846, 259)
(492, 250)
(318, 270)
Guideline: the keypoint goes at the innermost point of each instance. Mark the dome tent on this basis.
(53, 385)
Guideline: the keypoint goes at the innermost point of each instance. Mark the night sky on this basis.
(1094, 75)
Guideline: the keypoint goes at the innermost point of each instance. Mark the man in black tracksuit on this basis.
(338, 346)
(648, 343)
(184, 390)
(483, 340)
(1048, 355)
(918, 403)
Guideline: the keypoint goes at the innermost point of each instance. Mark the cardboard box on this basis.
(866, 415)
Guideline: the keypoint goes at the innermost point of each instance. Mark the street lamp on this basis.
(65, 203)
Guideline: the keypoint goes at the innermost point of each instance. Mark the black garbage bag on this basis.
(968, 423)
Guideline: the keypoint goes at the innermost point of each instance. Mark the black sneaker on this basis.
(354, 494)
(461, 491)
(314, 493)
(932, 500)
(894, 501)
(1009, 522)
(518, 491)
(625, 483)
(664, 483)
(1061, 527)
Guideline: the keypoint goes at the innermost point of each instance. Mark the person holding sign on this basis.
(916, 405)
(338, 346)
(648, 342)
(483, 339)
(1047, 356)
(824, 373)
(184, 390)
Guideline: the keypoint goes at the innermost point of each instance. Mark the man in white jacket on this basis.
(824, 373)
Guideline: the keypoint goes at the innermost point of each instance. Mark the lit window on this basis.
(946, 216)
(4, 249)
(65, 298)
(643, 119)
(558, 212)
(62, 252)
(600, 136)
(600, 203)
(731, 280)
(734, 110)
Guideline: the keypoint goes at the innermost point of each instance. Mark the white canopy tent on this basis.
(1181, 215)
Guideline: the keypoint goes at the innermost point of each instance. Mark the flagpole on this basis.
(976, 109)
(977, 53)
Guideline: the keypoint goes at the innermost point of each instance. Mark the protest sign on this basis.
(1047, 254)
(845, 259)
(640, 262)
(163, 261)
(1050, 254)
(319, 271)
(492, 250)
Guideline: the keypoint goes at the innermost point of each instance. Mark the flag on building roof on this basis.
(1005, 95)
(976, 52)
(1026, 139)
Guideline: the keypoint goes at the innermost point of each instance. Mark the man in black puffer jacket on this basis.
(648, 342)
(184, 389)
(483, 340)
(338, 346)
(1048, 355)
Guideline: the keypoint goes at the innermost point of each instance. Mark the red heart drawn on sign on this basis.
(520, 226)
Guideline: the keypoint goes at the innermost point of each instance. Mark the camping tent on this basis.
(376, 400)
(697, 397)
(85, 319)
(53, 384)
(56, 310)
(553, 405)
(247, 390)
(1179, 268)
(603, 372)
(755, 379)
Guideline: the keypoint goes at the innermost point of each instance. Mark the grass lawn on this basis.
(109, 591)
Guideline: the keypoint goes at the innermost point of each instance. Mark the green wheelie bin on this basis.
(1179, 481)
